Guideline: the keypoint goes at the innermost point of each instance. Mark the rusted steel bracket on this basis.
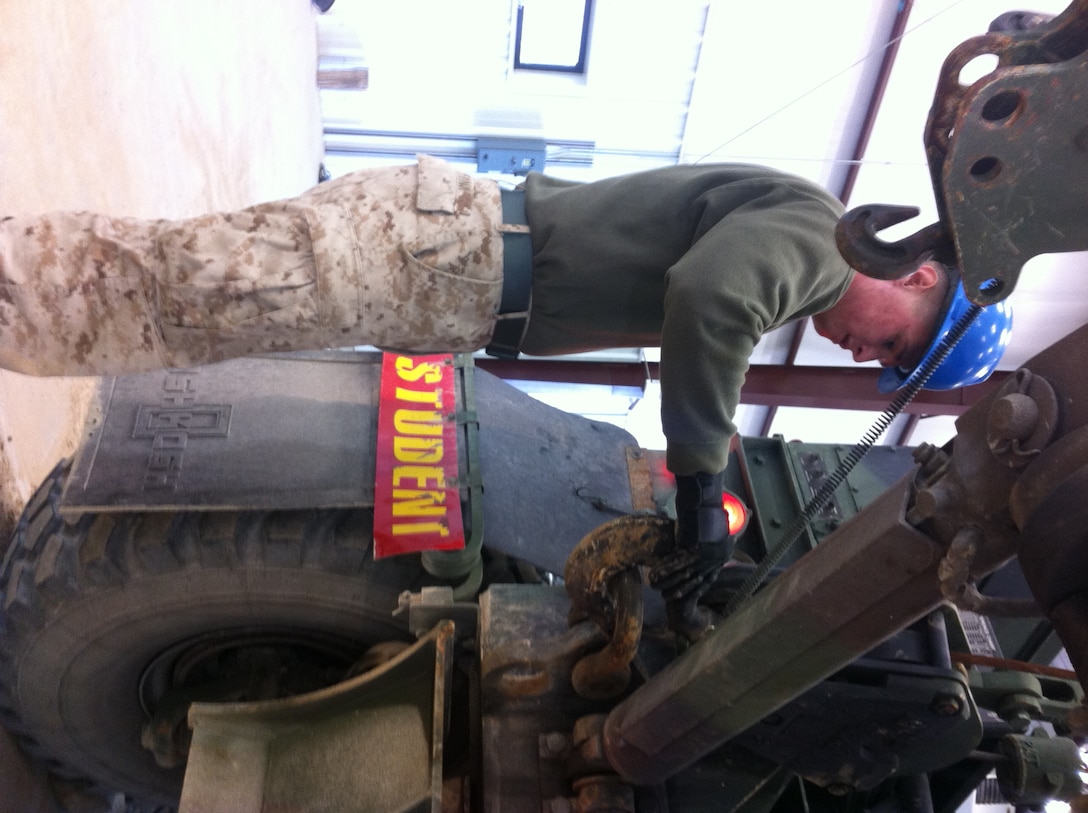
(1008, 159)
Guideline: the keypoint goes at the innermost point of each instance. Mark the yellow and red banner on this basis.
(417, 503)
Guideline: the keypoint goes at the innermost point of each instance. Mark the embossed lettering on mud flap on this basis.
(282, 432)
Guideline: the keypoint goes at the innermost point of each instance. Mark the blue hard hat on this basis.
(975, 355)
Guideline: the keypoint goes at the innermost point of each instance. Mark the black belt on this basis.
(517, 280)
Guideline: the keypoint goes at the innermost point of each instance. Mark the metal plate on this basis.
(283, 432)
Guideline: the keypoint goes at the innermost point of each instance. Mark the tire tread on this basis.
(52, 563)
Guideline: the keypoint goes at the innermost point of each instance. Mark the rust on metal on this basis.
(642, 489)
(512, 672)
(1057, 462)
(1006, 161)
(605, 674)
(603, 794)
(1022, 421)
(604, 586)
(620, 544)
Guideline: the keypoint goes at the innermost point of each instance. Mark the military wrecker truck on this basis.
(349, 581)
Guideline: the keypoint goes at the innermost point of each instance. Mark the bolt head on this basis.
(946, 705)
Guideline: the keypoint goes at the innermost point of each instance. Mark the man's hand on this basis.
(702, 536)
(701, 522)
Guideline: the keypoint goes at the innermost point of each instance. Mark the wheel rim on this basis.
(238, 665)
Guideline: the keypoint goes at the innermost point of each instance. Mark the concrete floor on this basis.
(157, 109)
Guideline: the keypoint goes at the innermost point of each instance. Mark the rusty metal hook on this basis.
(605, 674)
(856, 237)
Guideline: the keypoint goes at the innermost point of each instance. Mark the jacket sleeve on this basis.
(752, 271)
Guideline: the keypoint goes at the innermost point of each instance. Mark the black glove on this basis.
(702, 525)
(702, 537)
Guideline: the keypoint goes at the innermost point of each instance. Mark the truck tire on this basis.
(97, 612)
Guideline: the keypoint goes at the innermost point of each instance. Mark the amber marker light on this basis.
(736, 511)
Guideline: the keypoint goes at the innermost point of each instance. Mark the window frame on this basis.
(583, 50)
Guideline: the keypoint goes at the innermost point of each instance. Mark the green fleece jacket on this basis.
(699, 259)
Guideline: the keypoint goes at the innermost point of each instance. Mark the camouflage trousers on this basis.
(406, 258)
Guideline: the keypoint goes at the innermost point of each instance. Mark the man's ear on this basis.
(922, 278)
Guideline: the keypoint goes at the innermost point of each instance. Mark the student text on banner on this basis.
(417, 503)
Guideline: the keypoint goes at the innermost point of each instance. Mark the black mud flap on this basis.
(299, 431)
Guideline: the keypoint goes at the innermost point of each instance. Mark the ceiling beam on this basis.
(857, 155)
(876, 97)
(764, 385)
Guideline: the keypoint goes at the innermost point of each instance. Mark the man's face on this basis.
(890, 321)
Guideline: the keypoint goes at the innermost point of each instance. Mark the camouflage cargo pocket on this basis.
(425, 309)
(247, 270)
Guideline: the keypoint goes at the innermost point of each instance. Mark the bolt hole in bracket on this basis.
(1008, 158)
